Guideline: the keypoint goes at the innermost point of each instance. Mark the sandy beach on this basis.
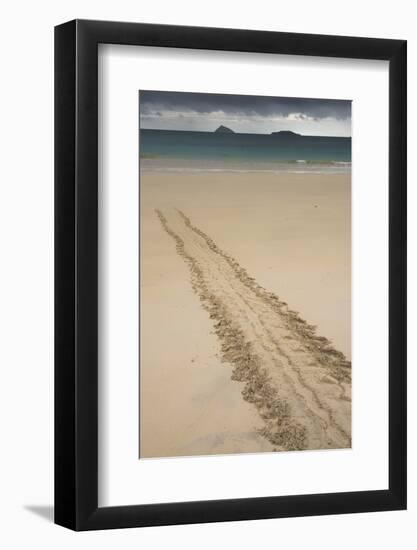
(236, 271)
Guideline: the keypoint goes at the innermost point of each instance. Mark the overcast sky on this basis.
(244, 114)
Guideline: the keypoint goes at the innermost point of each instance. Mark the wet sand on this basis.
(214, 279)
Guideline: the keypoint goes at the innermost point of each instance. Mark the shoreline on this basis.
(207, 166)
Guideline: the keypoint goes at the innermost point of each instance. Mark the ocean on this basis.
(167, 150)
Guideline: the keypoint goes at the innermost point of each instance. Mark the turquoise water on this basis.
(161, 149)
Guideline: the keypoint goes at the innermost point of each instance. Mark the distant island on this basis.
(281, 133)
(286, 133)
(223, 130)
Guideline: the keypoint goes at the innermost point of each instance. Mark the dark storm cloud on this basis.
(239, 105)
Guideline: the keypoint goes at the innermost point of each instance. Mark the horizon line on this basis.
(241, 133)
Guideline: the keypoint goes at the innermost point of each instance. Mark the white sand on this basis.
(292, 234)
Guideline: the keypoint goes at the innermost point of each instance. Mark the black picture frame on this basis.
(76, 273)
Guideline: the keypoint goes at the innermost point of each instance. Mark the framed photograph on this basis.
(230, 285)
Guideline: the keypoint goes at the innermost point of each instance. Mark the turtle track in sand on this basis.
(298, 382)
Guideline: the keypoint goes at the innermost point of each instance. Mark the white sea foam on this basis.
(305, 168)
